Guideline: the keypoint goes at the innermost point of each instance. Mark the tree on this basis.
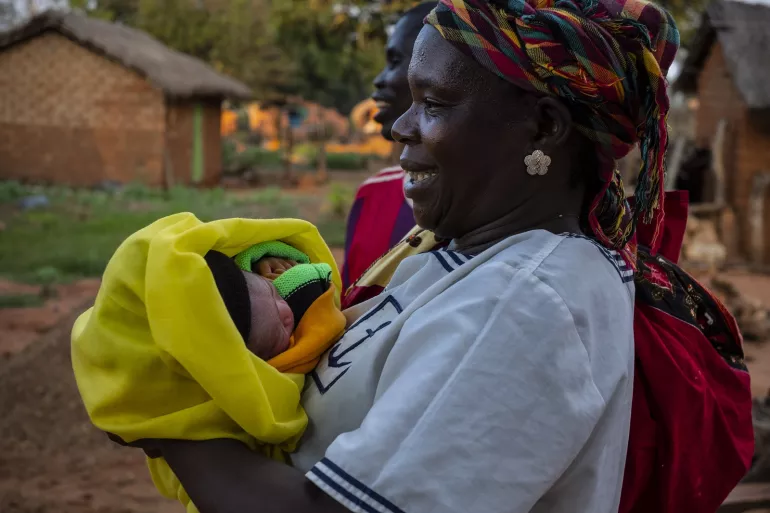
(337, 49)
(122, 11)
(231, 35)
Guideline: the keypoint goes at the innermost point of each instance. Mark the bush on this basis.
(308, 152)
(21, 301)
(134, 191)
(254, 138)
(242, 121)
(229, 156)
(255, 157)
(340, 199)
(11, 191)
(332, 230)
(344, 161)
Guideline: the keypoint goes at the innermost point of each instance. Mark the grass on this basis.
(21, 301)
(76, 234)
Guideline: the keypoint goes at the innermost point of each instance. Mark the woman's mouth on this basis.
(418, 181)
(382, 111)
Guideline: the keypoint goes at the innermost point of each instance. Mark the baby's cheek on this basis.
(286, 316)
(258, 344)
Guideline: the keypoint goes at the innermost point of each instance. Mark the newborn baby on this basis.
(168, 352)
(262, 314)
(272, 321)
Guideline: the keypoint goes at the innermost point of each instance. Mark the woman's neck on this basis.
(484, 237)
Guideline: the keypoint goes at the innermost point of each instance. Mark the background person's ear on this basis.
(554, 124)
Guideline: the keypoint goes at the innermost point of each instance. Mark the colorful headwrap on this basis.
(608, 59)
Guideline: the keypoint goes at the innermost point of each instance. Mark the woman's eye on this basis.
(431, 107)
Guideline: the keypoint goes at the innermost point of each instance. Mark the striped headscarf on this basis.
(608, 59)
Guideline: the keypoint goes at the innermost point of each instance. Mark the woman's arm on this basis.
(225, 476)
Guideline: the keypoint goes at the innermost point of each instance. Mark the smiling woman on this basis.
(494, 375)
(471, 184)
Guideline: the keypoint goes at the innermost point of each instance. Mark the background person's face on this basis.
(392, 85)
(466, 136)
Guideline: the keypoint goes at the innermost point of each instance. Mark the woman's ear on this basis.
(554, 123)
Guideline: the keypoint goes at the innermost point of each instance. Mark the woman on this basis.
(496, 375)
(380, 215)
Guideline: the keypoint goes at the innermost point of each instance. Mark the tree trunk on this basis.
(321, 175)
(288, 172)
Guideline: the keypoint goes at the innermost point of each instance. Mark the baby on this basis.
(168, 352)
(262, 314)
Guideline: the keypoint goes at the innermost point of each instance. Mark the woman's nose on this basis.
(404, 130)
(379, 80)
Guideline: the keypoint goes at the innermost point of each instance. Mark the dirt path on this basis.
(53, 459)
(756, 287)
(20, 327)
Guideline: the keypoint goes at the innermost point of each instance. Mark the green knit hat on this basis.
(299, 286)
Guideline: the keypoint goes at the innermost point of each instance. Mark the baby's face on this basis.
(272, 321)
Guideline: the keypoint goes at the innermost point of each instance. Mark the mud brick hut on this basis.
(728, 69)
(84, 101)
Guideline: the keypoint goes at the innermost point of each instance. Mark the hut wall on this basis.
(748, 151)
(719, 99)
(71, 116)
(194, 142)
(753, 163)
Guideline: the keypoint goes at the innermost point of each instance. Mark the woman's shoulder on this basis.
(594, 284)
(567, 259)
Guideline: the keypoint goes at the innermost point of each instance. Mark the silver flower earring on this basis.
(537, 163)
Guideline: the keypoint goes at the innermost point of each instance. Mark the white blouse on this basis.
(494, 384)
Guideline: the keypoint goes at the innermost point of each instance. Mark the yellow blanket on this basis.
(159, 357)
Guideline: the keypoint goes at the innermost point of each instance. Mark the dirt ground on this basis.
(53, 460)
(757, 354)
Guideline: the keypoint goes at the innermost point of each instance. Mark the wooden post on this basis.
(675, 164)
(323, 135)
(718, 151)
(288, 173)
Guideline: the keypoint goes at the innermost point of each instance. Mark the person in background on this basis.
(381, 216)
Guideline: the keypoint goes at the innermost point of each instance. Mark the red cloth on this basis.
(379, 218)
(691, 438)
(675, 206)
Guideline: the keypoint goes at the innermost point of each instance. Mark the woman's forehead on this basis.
(437, 64)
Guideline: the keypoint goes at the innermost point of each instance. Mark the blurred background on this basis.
(114, 113)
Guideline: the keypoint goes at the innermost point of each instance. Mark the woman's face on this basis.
(466, 135)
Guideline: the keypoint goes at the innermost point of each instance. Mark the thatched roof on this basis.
(177, 74)
(743, 30)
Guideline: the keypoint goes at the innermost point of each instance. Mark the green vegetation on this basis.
(21, 301)
(256, 158)
(75, 235)
(323, 51)
(340, 200)
(344, 161)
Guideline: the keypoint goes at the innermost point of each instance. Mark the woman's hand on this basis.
(225, 476)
